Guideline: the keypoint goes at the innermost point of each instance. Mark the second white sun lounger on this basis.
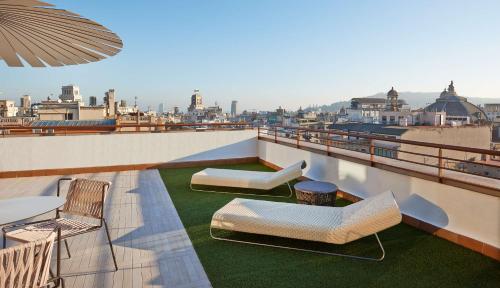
(333, 225)
(247, 179)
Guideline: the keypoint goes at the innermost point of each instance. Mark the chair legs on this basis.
(247, 194)
(110, 244)
(58, 281)
(378, 259)
(67, 248)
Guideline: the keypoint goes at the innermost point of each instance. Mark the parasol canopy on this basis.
(44, 36)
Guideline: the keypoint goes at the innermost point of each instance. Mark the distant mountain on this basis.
(334, 107)
(414, 99)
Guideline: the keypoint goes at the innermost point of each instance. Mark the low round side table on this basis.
(316, 193)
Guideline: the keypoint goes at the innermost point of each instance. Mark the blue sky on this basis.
(270, 53)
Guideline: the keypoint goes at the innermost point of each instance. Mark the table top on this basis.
(316, 187)
(17, 209)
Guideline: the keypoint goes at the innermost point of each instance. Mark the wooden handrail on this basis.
(365, 144)
(401, 141)
(119, 126)
(111, 128)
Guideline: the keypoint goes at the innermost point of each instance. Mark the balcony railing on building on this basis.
(444, 163)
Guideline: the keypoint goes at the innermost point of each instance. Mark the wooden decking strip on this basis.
(151, 244)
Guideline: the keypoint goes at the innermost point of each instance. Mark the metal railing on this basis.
(444, 162)
(13, 131)
(437, 160)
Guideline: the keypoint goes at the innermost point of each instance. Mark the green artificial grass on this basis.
(413, 258)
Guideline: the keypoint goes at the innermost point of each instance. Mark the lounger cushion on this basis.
(336, 225)
(247, 179)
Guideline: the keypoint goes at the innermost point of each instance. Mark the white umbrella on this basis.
(41, 35)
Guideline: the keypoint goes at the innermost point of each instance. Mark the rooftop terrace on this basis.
(154, 250)
(149, 222)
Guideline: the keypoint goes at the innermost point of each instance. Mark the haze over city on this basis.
(270, 53)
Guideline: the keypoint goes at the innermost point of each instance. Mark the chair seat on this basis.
(247, 179)
(231, 178)
(37, 231)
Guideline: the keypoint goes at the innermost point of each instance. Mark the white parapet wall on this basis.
(78, 151)
(461, 211)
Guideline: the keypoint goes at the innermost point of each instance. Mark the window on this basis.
(385, 153)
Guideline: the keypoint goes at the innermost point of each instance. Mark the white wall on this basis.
(53, 152)
(458, 210)
(461, 211)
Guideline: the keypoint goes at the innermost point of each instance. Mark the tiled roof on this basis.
(370, 128)
(374, 100)
(456, 106)
(72, 123)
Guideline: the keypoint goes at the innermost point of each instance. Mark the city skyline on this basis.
(317, 53)
(417, 100)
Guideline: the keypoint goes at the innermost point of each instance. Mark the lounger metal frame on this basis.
(242, 193)
(304, 250)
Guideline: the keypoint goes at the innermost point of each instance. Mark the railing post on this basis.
(298, 138)
(328, 143)
(372, 153)
(258, 131)
(275, 134)
(440, 164)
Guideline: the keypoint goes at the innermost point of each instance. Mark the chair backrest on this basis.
(26, 265)
(86, 198)
(287, 174)
(371, 215)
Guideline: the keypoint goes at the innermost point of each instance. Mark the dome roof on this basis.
(455, 105)
(392, 92)
(444, 93)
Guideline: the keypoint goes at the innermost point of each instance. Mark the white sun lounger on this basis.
(247, 179)
(334, 225)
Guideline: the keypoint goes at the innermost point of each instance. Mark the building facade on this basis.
(25, 102)
(234, 104)
(71, 93)
(196, 101)
(492, 112)
(8, 108)
(109, 101)
(58, 110)
(391, 103)
(92, 101)
(25, 107)
(370, 109)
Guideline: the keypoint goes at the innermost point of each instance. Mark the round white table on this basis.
(17, 209)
